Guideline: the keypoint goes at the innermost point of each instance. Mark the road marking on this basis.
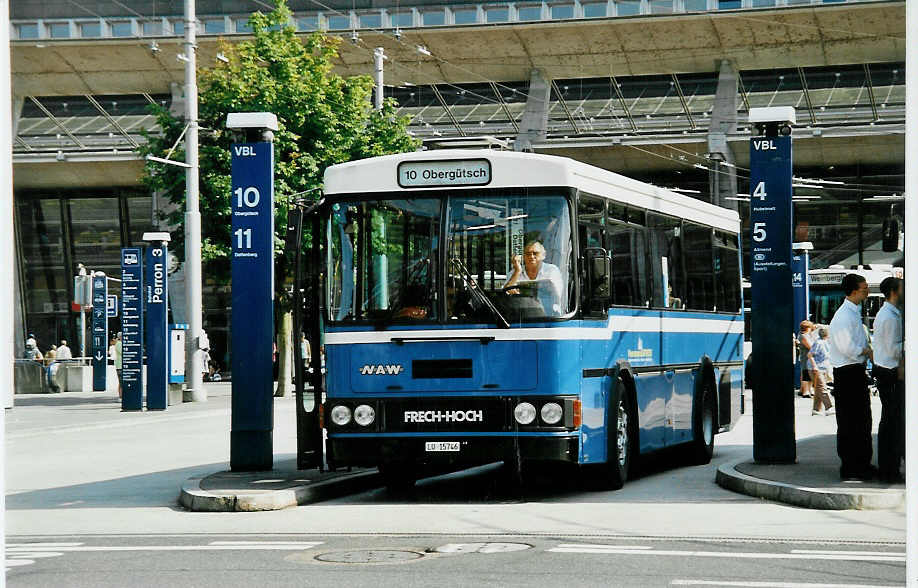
(600, 546)
(615, 550)
(15, 563)
(772, 584)
(42, 545)
(839, 552)
(306, 544)
(238, 547)
(34, 554)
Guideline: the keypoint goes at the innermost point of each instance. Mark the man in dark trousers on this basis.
(887, 358)
(848, 352)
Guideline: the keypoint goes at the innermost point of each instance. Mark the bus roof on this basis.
(512, 169)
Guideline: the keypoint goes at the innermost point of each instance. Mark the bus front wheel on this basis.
(620, 437)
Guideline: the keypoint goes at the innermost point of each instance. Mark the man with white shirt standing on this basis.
(849, 351)
(887, 359)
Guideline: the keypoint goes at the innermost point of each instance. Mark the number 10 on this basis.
(247, 234)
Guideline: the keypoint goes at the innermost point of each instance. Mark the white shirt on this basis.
(847, 337)
(63, 352)
(550, 272)
(887, 337)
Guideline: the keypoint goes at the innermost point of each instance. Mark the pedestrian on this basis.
(887, 359)
(804, 342)
(63, 352)
(50, 355)
(118, 361)
(819, 353)
(31, 339)
(111, 351)
(32, 352)
(849, 351)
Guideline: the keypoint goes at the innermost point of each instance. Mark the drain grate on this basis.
(370, 556)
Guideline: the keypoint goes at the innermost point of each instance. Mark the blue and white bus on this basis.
(482, 306)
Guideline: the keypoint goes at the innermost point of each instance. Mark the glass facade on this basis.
(58, 231)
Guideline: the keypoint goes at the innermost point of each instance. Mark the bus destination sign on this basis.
(458, 172)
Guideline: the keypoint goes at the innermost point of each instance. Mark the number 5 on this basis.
(758, 232)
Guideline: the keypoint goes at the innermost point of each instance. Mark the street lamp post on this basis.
(193, 375)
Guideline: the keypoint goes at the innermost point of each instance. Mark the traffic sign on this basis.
(156, 298)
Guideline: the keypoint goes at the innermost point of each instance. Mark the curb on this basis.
(196, 499)
(816, 498)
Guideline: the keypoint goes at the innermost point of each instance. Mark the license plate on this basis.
(441, 446)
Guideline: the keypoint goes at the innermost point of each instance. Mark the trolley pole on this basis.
(193, 375)
(771, 221)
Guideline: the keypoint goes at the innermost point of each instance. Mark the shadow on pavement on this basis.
(146, 490)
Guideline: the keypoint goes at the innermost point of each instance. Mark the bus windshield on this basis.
(385, 264)
(517, 249)
(382, 255)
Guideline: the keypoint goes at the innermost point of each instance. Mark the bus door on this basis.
(308, 373)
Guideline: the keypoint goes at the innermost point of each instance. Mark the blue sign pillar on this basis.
(800, 266)
(251, 436)
(131, 329)
(156, 298)
(99, 327)
(771, 221)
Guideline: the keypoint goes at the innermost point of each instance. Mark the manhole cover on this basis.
(482, 547)
(370, 556)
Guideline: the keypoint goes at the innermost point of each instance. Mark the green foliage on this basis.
(323, 119)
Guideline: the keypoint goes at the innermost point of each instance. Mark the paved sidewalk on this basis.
(282, 487)
(812, 482)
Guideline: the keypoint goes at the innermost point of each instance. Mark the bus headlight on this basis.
(524, 413)
(551, 413)
(341, 415)
(364, 415)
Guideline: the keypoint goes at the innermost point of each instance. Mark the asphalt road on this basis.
(228, 561)
(91, 501)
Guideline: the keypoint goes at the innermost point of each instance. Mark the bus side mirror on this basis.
(890, 234)
(598, 274)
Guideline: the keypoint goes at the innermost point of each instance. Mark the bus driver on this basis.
(536, 268)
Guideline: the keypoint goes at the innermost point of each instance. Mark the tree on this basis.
(323, 119)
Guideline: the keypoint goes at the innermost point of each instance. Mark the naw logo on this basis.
(640, 354)
(389, 369)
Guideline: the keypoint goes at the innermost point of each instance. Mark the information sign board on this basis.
(772, 330)
(156, 296)
(131, 329)
(252, 337)
(99, 327)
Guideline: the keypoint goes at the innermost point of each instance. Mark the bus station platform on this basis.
(812, 482)
(280, 488)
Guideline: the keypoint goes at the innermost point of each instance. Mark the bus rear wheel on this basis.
(621, 437)
(702, 447)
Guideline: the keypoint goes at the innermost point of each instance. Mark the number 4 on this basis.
(759, 191)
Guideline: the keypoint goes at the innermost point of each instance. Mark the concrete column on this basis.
(18, 101)
(534, 126)
(722, 178)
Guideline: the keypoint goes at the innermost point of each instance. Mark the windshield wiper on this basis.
(473, 286)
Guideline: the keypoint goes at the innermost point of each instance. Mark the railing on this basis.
(387, 19)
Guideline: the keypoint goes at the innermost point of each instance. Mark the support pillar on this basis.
(534, 126)
(722, 177)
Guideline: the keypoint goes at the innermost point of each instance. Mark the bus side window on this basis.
(666, 242)
(727, 272)
(699, 265)
(628, 248)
